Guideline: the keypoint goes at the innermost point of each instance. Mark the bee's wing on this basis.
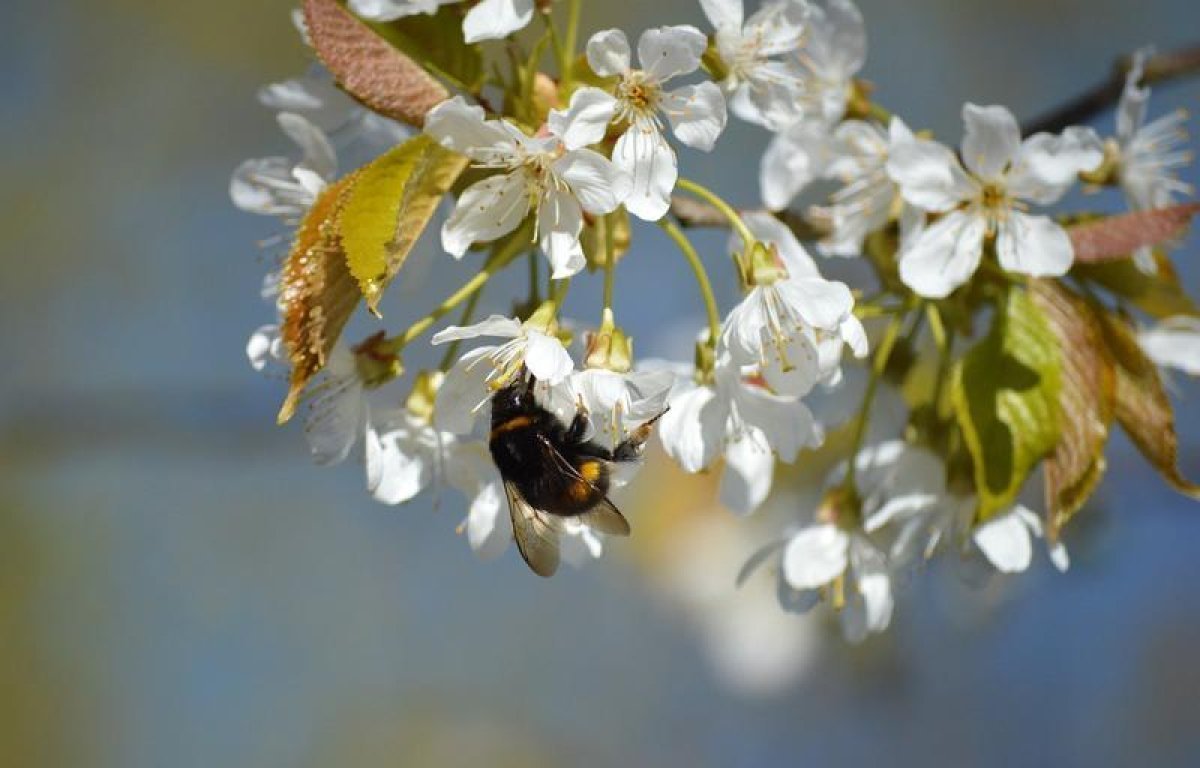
(604, 516)
(535, 532)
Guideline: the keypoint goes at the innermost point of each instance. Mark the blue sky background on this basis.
(179, 586)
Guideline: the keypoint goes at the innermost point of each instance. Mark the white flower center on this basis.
(638, 97)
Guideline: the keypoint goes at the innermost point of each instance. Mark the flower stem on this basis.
(878, 365)
(570, 40)
(535, 288)
(610, 261)
(706, 292)
(499, 259)
(710, 197)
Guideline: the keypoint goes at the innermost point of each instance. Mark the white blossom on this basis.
(388, 10)
(1006, 540)
(278, 186)
(763, 88)
(553, 172)
(738, 417)
(487, 20)
(339, 414)
(404, 454)
(316, 97)
(984, 199)
(792, 323)
(696, 112)
(868, 198)
(834, 50)
(822, 553)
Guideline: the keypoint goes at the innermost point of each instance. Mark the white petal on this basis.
(837, 39)
(485, 211)
(596, 182)
(586, 118)
(644, 156)
(769, 229)
(608, 52)
(463, 392)
(670, 51)
(872, 583)
(336, 421)
(489, 528)
(396, 469)
(821, 303)
(815, 556)
(559, 222)
(546, 358)
(991, 140)
(493, 325)
(749, 468)
(786, 422)
(494, 19)
(462, 127)
(1175, 343)
(723, 14)
(387, 10)
(1048, 165)
(800, 367)
(944, 256)
(854, 335)
(742, 331)
(264, 346)
(929, 175)
(1059, 557)
(696, 113)
(1034, 245)
(1005, 541)
(693, 430)
(793, 160)
(266, 186)
(319, 156)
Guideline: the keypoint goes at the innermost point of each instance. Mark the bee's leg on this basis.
(578, 429)
(630, 448)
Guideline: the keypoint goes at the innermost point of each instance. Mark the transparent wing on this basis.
(535, 532)
(604, 516)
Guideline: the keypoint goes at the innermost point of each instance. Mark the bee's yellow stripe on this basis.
(591, 470)
(516, 422)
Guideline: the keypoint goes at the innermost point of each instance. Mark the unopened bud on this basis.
(609, 348)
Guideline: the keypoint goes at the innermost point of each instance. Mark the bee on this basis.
(552, 472)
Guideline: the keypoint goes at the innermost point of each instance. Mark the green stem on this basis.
(706, 292)
(610, 260)
(535, 288)
(497, 261)
(574, 8)
(451, 353)
(882, 354)
(560, 52)
(710, 197)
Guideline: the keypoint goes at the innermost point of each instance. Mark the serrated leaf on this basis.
(1143, 408)
(368, 67)
(1086, 401)
(317, 294)
(1005, 392)
(390, 206)
(437, 39)
(1117, 237)
(1159, 295)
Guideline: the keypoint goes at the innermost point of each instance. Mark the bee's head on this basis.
(514, 398)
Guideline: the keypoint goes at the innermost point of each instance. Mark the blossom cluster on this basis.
(564, 163)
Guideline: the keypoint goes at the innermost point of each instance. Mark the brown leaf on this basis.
(1086, 399)
(368, 67)
(1142, 406)
(1117, 237)
(1159, 295)
(317, 293)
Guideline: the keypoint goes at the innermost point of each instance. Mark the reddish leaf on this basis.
(317, 293)
(368, 67)
(1142, 406)
(1086, 399)
(1117, 237)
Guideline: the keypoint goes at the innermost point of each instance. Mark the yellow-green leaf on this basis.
(1142, 406)
(389, 208)
(1005, 392)
(1086, 402)
(317, 294)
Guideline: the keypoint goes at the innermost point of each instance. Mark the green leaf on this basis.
(368, 67)
(437, 41)
(1006, 398)
(317, 295)
(1087, 400)
(389, 208)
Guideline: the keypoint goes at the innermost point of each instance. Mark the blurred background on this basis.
(180, 587)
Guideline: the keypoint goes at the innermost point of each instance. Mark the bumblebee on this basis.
(552, 472)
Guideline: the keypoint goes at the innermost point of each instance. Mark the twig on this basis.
(1159, 68)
